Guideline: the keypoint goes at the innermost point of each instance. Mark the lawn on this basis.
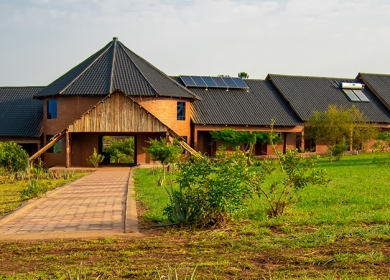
(340, 231)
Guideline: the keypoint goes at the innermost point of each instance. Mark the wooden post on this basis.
(303, 140)
(67, 150)
(196, 139)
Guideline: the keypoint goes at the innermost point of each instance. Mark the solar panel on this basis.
(209, 81)
(240, 83)
(187, 80)
(219, 81)
(229, 82)
(351, 95)
(198, 81)
(361, 95)
(213, 82)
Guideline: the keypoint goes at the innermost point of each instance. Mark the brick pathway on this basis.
(93, 203)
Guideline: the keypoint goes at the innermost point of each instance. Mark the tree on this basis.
(166, 153)
(338, 124)
(12, 157)
(243, 75)
(245, 140)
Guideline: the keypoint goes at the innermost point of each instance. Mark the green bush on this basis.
(33, 190)
(337, 150)
(209, 190)
(12, 157)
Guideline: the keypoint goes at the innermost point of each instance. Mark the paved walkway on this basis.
(96, 205)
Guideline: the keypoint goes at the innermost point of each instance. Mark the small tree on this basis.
(12, 157)
(164, 152)
(293, 172)
(95, 158)
(337, 124)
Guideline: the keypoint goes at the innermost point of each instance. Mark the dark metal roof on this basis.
(238, 107)
(20, 114)
(380, 83)
(115, 67)
(307, 94)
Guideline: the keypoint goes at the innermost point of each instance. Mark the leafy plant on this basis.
(12, 157)
(166, 153)
(209, 190)
(95, 158)
(296, 173)
(337, 150)
(33, 190)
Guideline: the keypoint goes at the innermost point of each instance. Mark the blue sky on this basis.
(43, 39)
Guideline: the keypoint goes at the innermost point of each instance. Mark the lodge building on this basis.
(115, 92)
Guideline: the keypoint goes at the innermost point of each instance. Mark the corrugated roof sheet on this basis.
(20, 114)
(380, 83)
(237, 107)
(116, 67)
(307, 94)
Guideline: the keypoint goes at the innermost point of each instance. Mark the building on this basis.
(115, 92)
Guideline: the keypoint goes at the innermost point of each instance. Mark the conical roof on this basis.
(115, 67)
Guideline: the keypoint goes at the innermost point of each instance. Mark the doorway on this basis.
(118, 150)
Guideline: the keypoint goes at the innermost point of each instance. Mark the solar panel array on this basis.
(356, 95)
(213, 82)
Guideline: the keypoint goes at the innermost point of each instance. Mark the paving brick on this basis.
(94, 202)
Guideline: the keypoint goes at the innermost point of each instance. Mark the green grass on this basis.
(341, 231)
(10, 190)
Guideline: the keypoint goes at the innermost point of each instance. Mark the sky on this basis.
(40, 40)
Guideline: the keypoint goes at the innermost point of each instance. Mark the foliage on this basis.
(338, 150)
(209, 189)
(95, 158)
(164, 152)
(295, 172)
(384, 136)
(337, 123)
(243, 75)
(120, 150)
(12, 157)
(34, 189)
(243, 139)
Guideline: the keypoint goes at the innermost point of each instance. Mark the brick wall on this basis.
(165, 109)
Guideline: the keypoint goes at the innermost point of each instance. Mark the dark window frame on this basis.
(52, 109)
(181, 111)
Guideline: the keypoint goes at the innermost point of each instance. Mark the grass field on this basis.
(341, 231)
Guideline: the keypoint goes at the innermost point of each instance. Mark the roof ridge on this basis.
(158, 70)
(305, 76)
(112, 66)
(85, 70)
(139, 70)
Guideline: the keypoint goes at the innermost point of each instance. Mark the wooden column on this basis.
(195, 139)
(67, 150)
(303, 140)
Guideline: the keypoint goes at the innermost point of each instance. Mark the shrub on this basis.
(95, 158)
(33, 190)
(294, 172)
(209, 190)
(337, 150)
(12, 157)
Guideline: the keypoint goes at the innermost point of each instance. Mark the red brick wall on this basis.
(69, 109)
(165, 109)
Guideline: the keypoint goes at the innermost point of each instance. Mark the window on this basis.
(51, 109)
(181, 111)
(56, 148)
